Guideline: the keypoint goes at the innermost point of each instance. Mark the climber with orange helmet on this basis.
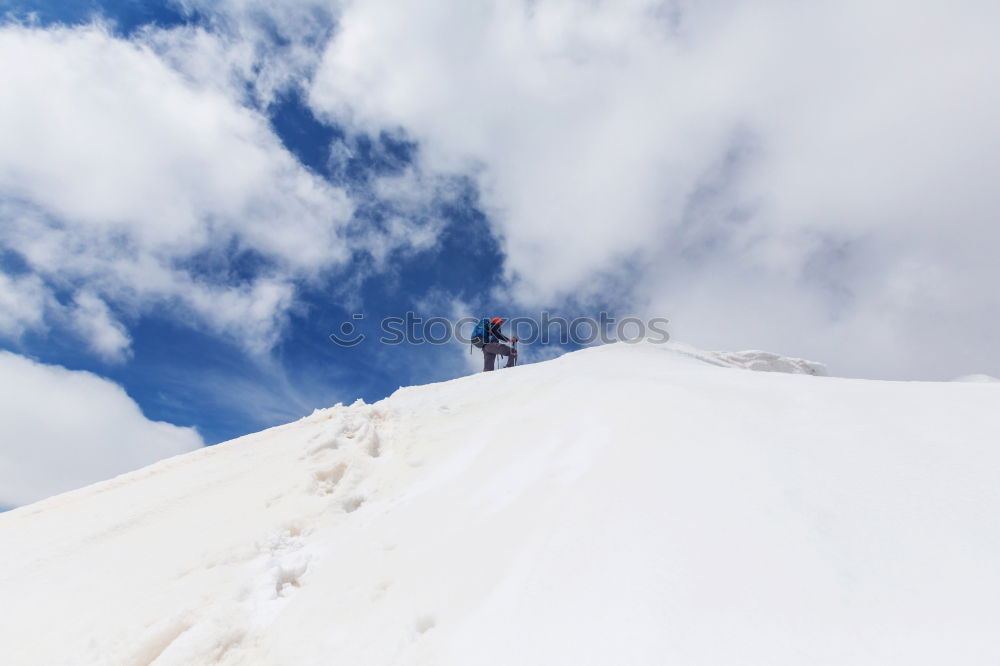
(487, 336)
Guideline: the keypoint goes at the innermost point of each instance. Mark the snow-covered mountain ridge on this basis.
(642, 504)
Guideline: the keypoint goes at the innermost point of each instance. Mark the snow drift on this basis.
(647, 504)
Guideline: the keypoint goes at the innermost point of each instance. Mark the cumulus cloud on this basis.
(120, 175)
(813, 178)
(63, 429)
(143, 174)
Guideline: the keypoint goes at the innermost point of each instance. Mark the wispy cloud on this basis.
(23, 301)
(105, 335)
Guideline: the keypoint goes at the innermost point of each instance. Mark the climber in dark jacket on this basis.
(488, 337)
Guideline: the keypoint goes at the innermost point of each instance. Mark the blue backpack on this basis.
(479, 333)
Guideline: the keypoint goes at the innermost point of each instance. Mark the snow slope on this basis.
(976, 379)
(628, 504)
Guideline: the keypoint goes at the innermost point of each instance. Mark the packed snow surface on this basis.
(976, 379)
(628, 504)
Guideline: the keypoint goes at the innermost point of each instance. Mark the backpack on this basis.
(479, 335)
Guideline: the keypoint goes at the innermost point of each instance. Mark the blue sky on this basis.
(195, 194)
(127, 15)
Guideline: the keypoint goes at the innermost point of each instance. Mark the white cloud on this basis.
(136, 171)
(273, 47)
(106, 336)
(23, 301)
(63, 429)
(814, 178)
(117, 173)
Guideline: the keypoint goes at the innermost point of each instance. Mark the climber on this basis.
(487, 336)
